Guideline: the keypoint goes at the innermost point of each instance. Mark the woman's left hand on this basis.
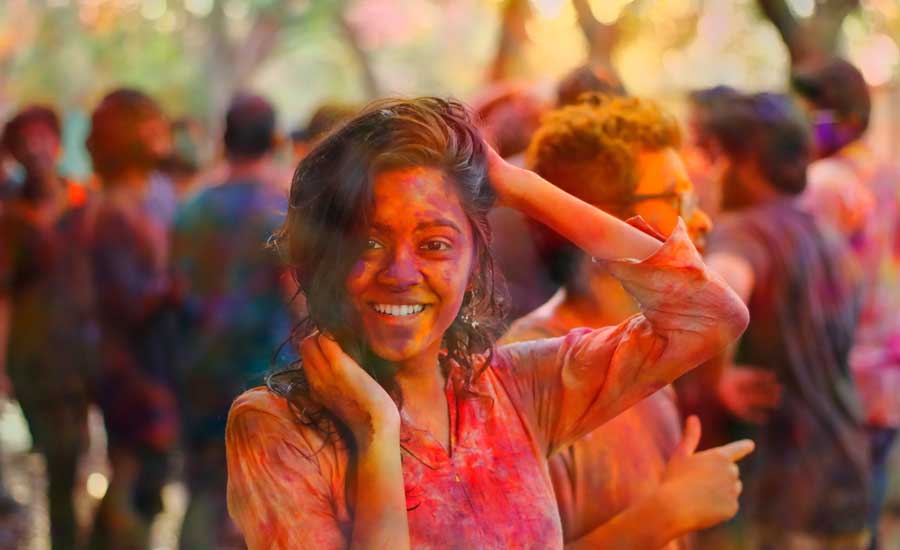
(343, 387)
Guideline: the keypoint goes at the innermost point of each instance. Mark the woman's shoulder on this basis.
(260, 399)
(259, 414)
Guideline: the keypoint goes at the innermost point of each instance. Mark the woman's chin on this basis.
(397, 353)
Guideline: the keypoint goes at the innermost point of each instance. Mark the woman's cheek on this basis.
(450, 284)
(359, 274)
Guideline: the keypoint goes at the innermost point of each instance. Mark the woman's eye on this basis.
(372, 244)
(436, 246)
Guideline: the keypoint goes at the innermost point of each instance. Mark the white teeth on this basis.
(398, 310)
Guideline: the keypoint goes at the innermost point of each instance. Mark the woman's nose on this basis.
(401, 271)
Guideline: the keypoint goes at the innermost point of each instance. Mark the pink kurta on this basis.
(288, 487)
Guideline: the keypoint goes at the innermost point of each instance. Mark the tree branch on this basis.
(600, 37)
(363, 59)
(514, 15)
(779, 14)
(813, 38)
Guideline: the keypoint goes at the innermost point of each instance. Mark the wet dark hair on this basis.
(32, 114)
(249, 128)
(331, 199)
(766, 128)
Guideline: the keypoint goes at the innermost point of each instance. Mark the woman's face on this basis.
(408, 285)
(662, 173)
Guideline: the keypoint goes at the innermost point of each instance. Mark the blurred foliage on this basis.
(194, 54)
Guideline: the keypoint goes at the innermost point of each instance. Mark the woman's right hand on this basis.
(339, 384)
(702, 489)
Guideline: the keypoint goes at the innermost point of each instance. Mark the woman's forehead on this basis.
(418, 195)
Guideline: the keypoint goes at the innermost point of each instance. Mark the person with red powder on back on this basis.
(636, 474)
(405, 426)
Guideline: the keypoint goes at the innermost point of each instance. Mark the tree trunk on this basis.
(511, 41)
(811, 39)
(600, 37)
(363, 59)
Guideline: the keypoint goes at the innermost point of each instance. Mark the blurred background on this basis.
(193, 56)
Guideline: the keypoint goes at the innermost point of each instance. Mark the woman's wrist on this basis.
(380, 430)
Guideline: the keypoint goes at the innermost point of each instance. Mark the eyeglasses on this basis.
(685, 203)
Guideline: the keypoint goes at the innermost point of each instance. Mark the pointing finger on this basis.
(737, 450)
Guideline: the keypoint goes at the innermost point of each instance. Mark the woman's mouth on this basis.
(399, 310)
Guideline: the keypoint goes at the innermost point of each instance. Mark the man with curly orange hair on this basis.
(635, 482)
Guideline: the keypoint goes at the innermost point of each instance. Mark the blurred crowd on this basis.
(151, 291)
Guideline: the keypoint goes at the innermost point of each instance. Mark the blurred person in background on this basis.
(508, 115)
(129, 254)
(637, 473)
(185, 165)
(587, 79)
(853, 190)
(46, 296)
(807, 486)
(702, 157)
(235, 308)
(324, 119)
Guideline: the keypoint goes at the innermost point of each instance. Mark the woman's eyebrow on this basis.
(440, 222)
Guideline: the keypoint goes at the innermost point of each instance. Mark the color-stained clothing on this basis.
(854, 185)
(810, 469)
(235, 314)
(234, 318)
(288, 483)
(53, 335)
(52, 340)
(614, 466)
(129, 254)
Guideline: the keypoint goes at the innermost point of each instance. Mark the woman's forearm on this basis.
(380, 516)
(599, 234)
(646, 525)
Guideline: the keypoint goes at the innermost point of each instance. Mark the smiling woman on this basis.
(405, 426)
(401, 186)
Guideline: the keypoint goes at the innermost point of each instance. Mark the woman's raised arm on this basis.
(601, 235)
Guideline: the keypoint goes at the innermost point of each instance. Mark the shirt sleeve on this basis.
(278, 494)
(568, 386)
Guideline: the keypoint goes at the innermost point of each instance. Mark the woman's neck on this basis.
(421, 381)
(421, 375)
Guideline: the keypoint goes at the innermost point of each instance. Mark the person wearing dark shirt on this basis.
(808, 483)
(235, 312)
